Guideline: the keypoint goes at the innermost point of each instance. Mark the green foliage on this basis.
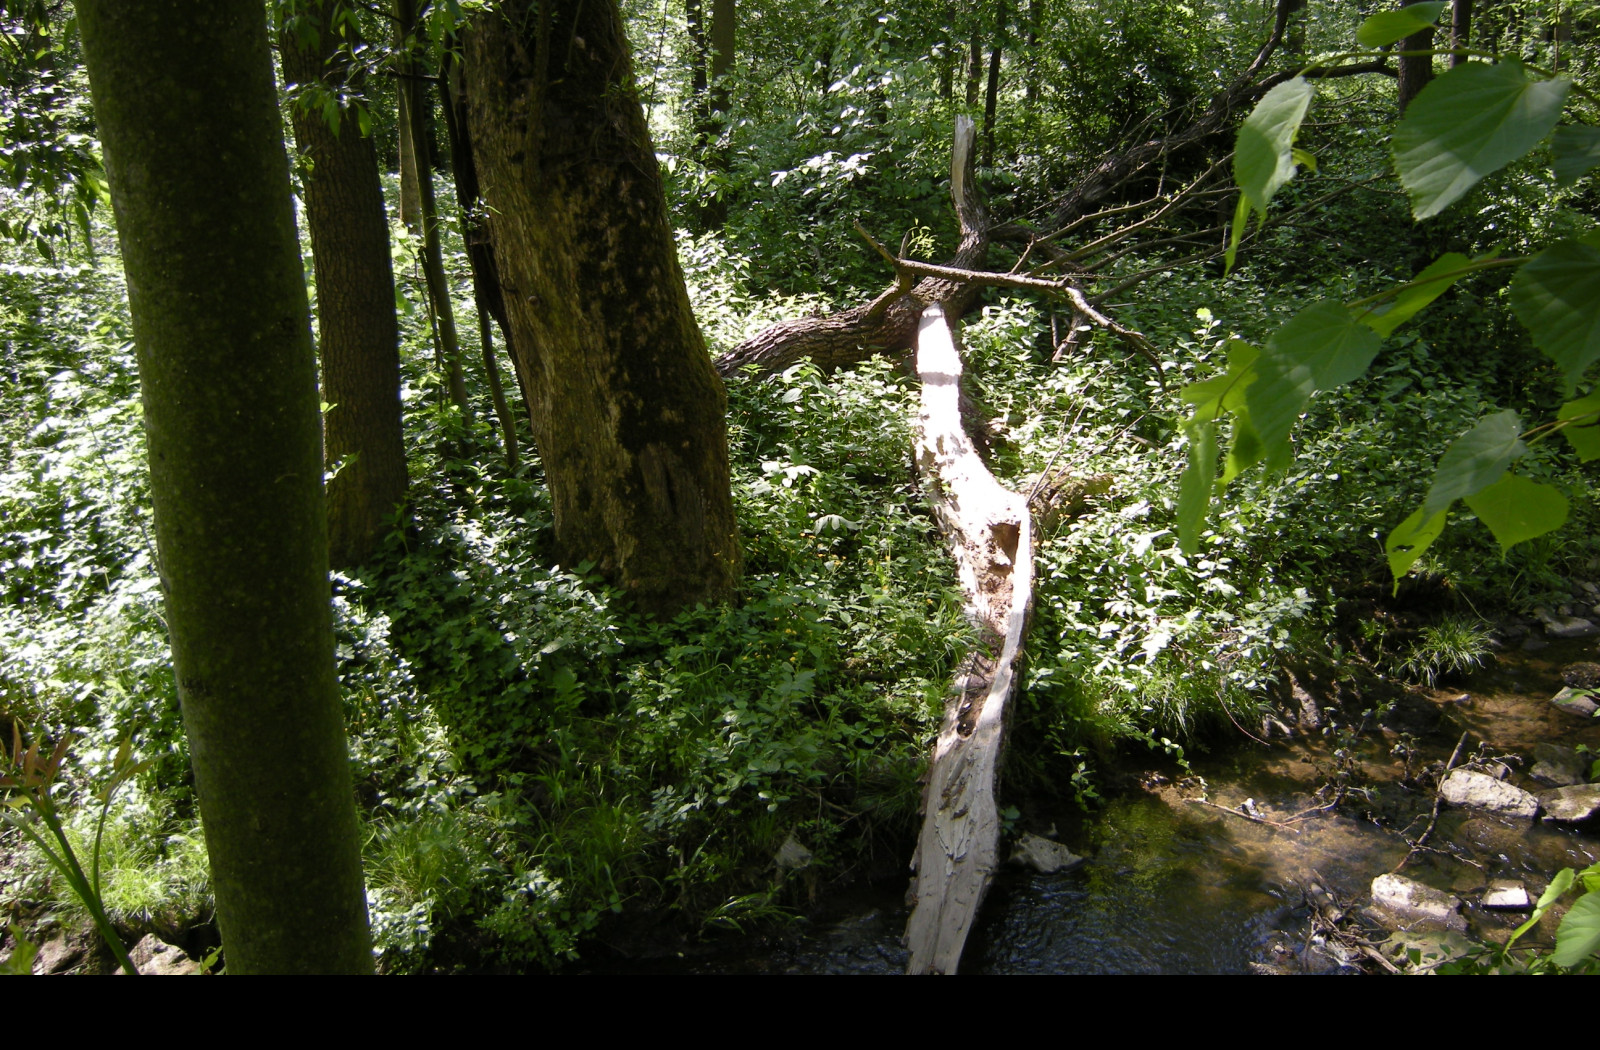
(1454, 646)
(1468, 123)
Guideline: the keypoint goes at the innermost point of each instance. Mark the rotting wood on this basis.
(990, 532)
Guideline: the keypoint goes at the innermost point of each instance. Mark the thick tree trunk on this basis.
(628, 412)
(188, 115)
(1460, 29)
(359, 338)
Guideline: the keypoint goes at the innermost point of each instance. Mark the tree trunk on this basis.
(475, 235)
(1415, 70)
(991, 98)
(415, 109)
(188, 115)
(1460, 29)
(359, 339)
(628, 413)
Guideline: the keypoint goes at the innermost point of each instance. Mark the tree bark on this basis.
(1415, 70)
(991, 97)
(628, 412)
(188, 114)
(359, 338)
(1460, 29)
(415, 110)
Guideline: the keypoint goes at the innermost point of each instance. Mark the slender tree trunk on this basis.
(359, 339)
(1030, 84)
(475, 235)
(1460, 29)
(415, 110)
(991, 98)
(975, 66)
(186, 107)
(628, 413)
(1415, 70)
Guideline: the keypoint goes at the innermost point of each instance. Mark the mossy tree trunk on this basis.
(188, 114)
(627, 410)
(359, 337)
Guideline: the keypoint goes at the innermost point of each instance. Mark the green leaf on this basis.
(1516, 509)
(1583, 429)
(1408, 540)
(1241, 216)
(1194, 490)
(1215, 397)
(1475, 460)
(1246, 448)
(1579, 934)
(1263, 159)
(1574, 149)
(1468, 122)
(1321, 347)
(1386, 27)
(1416, 294)
(1557, 296)
(1305, 158)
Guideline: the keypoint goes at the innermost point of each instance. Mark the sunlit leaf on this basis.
(1409, 540)
(1475, 460)
(1557, 296)
(1194, 490)
(1241, 216)
(1305, 158)
(1468, 122)
(1583, 430)
(1574, 150)
(1386, 27)
(1263, 160)
(1420, 291)
(1321, 347)
(1579, 934)
(1516, 509)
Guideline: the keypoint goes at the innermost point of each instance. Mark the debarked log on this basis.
(990, 532)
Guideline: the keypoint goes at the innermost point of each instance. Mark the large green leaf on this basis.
(1471, 121)
(1409, 539)
(1421, 290)
(1574, 149)
(1557, 295)
(1215, 397)
(1321, 347)
(1583, 430)
(1516, 509)
(1263, 159)
(1386, 27)
(1475, 460)
(1194, 490)
(1578, 937)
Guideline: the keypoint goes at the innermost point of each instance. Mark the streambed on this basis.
(1172, 885)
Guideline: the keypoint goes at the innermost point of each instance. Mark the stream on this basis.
(1171, 885)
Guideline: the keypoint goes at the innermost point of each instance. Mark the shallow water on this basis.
(1173, 886)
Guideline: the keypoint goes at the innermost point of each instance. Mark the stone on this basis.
(1464, 787)
(155, 956)
(1584, 674)
(792, 855)
(1570, 805)
(1044, 856)
(1559, 766)
(57, 955)
(1570, 627)
(1507, 895)
(1409, 901)
(1577, 702)
(1533, 643)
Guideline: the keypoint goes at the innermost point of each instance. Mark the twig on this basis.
(1245, 816)
(1422, 840)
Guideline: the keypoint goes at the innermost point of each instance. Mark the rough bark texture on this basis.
(627, 410)
(188, 113)
(358, 337)
(990, 532)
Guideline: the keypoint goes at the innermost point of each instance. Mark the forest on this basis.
(523, 486)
